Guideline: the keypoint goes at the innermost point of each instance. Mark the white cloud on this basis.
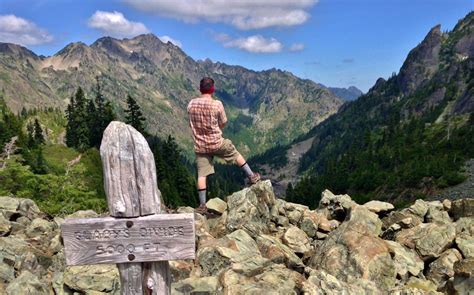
(256, 44)
(167, 39)
(243, 14)
(296, 47)
(116, 25)
(14, 29)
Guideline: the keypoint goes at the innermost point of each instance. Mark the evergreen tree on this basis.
(30, 130)
(38, 137)
(23, 113)
(77, 129)
(93, 123)
(134, 115)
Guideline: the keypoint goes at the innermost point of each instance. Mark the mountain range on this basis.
(407, 137)
(264, 108)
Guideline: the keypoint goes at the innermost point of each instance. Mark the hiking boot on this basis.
(254, 178)
(202, 209)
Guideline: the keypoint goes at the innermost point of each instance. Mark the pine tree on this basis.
(71, 134)
(38, 137)
(93, 123)
(134, 115)
(30, 130)
(77, 129)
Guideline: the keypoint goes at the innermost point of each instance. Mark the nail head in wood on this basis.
(129, 224)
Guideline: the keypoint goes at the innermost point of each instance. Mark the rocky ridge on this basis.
(264, 245)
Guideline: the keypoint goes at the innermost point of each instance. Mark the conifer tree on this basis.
(30, 130)
(71, 135)
(77, 129)
(38, 137)
(134, 115)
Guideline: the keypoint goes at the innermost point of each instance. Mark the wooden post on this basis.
(131, 189)
(136, 236)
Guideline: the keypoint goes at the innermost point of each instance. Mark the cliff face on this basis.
(266, 107)
(258, 244)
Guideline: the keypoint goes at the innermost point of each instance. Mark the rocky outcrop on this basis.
(264, 245)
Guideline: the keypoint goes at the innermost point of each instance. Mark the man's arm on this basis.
(222, 118)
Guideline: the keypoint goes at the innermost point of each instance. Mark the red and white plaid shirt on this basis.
(205, 116)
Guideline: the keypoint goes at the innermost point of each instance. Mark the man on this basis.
(207, 118)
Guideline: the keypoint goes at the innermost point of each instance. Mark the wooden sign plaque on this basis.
(157, 237)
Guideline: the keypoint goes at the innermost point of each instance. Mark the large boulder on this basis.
(462, 208)
(274, 279)
(92, 278)
(463, 282)
(407, 263)
(354, 251)
(379, 207)
(215, 256)
(273, 249)
(335, 206)
(204, 285)
(27, 283)
(321, 282)
(442, 269)
(429, 240)
(249, 209)
(297, 240)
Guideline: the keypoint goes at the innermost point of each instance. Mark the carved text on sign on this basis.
(118, 240)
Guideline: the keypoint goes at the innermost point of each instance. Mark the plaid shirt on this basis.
(205, 117)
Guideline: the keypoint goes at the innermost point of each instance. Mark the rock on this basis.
(216, 205)
(5, 226)
(379, 207)
(294, 217)
(273, 249)
(428, 239)
(337, 206)
(404, 218)
(89, 278)
(419, 208)
(215, 256)
(425, 285)
(462, 208)
(27, 283)
(39, 227)
(7, 273)
(8, 203)
(465, 243)
(309, 223)
(275, 279)
(447, 204)
(205, 285)
(251, 267)
(407, 263)
(465, 225)
(249, 209)
(297, 240)
(463, 281)
(440, 270)
(180, 269)
(437, 215)
(217, 226)
(283, 221)
(354, 251)
(327, 225)
(320, 282)
(83, 214)
(321, 236)
(28, 208)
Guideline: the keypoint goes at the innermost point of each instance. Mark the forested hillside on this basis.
(36, 164)
(408, 137)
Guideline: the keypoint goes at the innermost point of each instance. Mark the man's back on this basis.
(206, 115)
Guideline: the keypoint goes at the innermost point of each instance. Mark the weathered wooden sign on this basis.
(119, 240)
(137, 237)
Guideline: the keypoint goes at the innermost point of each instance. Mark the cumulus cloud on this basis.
(116, 25)
(296, 47)
(243, 14)
(255, 44)
(14, 29)
(167, 39)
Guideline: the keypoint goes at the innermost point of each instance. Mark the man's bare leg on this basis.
(253, 177)
(201, 187)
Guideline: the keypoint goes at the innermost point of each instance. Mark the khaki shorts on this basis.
(204, 162)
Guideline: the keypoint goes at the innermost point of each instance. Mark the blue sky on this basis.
(333, 42)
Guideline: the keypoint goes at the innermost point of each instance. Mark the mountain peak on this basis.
(16, 50)
(422, 62)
